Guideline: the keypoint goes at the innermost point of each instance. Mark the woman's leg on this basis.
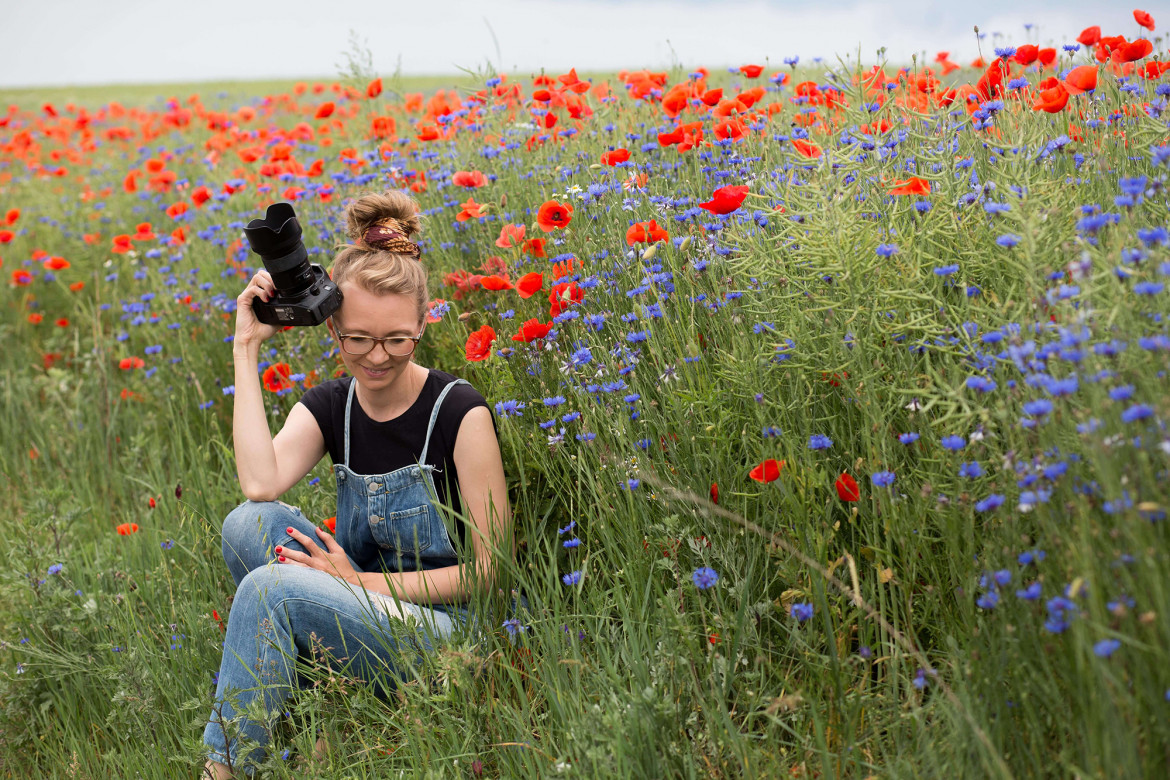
(253, 528)
(281, 613)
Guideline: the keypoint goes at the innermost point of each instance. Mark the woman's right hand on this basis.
(250, 330)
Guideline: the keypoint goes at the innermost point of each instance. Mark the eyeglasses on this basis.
(398, 346)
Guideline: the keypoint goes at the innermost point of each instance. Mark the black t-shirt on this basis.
(381, 447)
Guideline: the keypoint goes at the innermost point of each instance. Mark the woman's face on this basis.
(364, 313)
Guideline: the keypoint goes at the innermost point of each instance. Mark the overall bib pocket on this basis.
(404, 532)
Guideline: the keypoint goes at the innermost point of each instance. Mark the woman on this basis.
(404, 440)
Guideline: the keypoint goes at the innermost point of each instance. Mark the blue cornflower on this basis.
(1038, 407)
(763, 327)
(990, 503)
(1031, 556)
(920, 682)
(1106, 648)
(801, 610)
(1121, 393)
(1030, 593)
(572, 578)
(887, 250)
(819, 442)
(56, 567)
(562, 531)
(570, 417)
(1008, 240)
(704, 577)
(509, 409)
(168, 544)
(981, 383)
(571, 543)
(556, 400)
(989, 600)
(637, 336)
(953, 443)
(513, 626)
(946, 270)
(908, 438)
(971, 469)
(582, 356)
(1136, 412)
(882, 478)
(1148, 288)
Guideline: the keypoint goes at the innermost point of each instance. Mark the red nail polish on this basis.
(278, 549)
(281, 559)
(288, 530)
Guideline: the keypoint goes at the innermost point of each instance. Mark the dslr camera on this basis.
(305, 295)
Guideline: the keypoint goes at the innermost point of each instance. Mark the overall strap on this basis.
(348, 405)
(435, 416)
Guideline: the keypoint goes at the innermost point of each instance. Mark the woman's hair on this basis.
(382, 258)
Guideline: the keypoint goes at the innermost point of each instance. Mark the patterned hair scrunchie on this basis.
(386, 235)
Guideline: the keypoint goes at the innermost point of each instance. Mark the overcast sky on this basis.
(58, 42)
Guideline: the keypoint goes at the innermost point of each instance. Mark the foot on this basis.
(213, 770)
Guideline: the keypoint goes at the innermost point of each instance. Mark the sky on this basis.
(75, 42)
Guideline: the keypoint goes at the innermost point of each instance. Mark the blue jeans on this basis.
(283, 613)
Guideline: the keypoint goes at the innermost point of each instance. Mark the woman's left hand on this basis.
(331, 560)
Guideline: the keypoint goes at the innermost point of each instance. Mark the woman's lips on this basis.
(376, 373)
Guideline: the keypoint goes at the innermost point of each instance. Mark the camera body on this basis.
(305, 295)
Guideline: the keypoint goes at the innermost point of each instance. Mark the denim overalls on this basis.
(389, 521)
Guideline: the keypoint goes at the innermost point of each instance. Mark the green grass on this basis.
(636, 672)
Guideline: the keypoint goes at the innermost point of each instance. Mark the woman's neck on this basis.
(393, 400)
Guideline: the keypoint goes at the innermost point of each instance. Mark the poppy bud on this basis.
(178, 491)
(649, 253)
(686, 243)
(151, 502)
(465, 316)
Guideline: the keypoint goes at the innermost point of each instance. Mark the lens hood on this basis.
(276, 236)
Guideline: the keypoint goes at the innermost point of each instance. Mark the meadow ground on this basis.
(833, 414)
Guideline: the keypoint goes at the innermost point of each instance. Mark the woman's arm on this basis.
(267, 467)
(485, 501)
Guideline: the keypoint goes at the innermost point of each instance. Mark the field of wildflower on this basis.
(832, 398)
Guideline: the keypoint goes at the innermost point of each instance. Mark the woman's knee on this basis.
(256, 525)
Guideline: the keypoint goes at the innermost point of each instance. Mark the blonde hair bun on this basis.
(392, 209)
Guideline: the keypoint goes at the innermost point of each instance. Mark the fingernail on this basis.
(278, 549)
(288, 530)
(281, 559)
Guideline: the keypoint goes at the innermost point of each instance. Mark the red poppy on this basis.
(479, 344)
(199, 196)
(553, 215)
(726, 199)
(125, 529)
(751, 71)
(276, 377)
(494, 265)
(151, 503)
(495, 283)
(132, 362)
(324, 110)
(510, 236)
(562, 296)
(469, 179)
(374, 88)
(6, 236)
(11, 216)
(1082, 78)
(1052, 100)
(645, 232)
(532, 330)
(768, 471)
(470, 210)
(911, 186)
(529, 284)
(1026, 54)
(35, 318)
(534, 247)
(847, 489)
(805, 149)
(330, 523)
(144, 232)
(62, 323)
(615, 156)
(56, 264)
(1135, 50)
(1089, 36)
(1144, 19)
(714, 493)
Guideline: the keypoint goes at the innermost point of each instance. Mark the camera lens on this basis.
(277, 239)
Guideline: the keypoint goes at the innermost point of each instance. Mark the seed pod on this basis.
(650, 252)
(178, 490)
(686, 243)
